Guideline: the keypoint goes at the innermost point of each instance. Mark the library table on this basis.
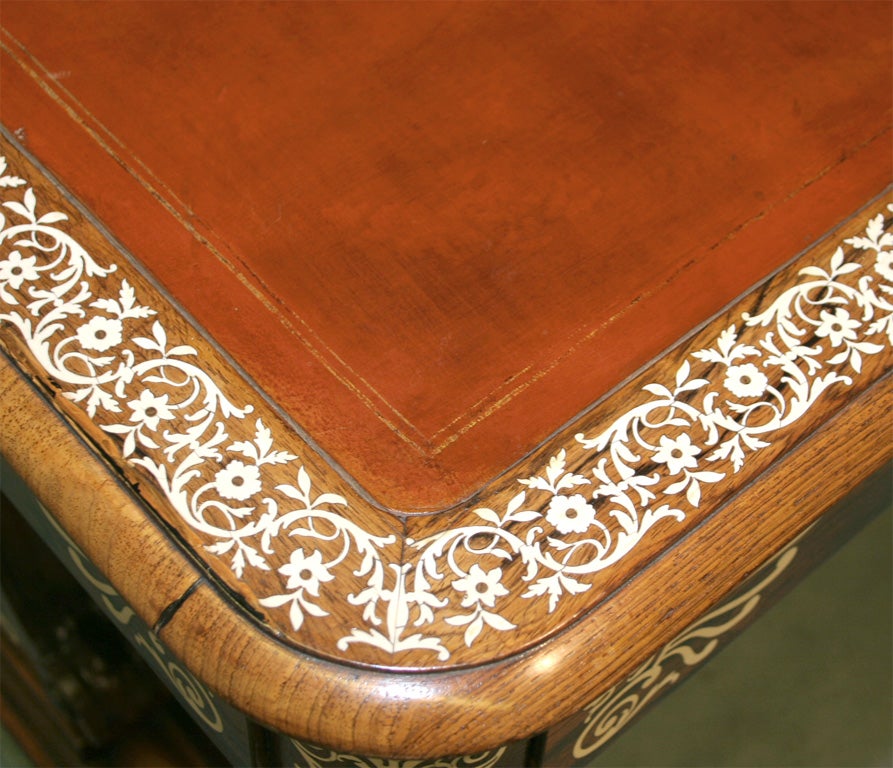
(441, 382)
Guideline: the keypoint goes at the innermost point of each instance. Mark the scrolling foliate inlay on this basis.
(319, 757)
(613, 710)
(259, 508)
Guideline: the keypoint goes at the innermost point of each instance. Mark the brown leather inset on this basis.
(433, 233)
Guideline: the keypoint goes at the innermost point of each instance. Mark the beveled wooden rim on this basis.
(586, 541)
(427, 715)
(548, 536)
(533, 551)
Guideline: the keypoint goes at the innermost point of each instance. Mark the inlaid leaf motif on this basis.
(236, 483)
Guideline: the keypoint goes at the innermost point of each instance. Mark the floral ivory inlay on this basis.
(259, 508)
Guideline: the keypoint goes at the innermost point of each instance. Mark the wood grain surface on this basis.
(365, 712)
(668, 581)
(239, 485)
(73, 691)
(327, 570)
(577, 740)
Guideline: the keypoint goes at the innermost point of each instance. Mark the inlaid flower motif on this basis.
(837, 326)
(481, 586)
(745, 380)
(306, 572)
(884, 265)
(677, 453)
(15, 270)
(149, 409)
(238, 481)
(398, 597)
(570, 514)
(100, 334)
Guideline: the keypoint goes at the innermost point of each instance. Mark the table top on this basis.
(450, 336)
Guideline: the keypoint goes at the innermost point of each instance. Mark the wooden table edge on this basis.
(391, 713)
(528, 518)
(84, 500)
(427, 715)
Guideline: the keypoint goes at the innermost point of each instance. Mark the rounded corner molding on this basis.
(247, 493)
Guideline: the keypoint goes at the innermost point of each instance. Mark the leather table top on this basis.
(435, 233)
(447, 339)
